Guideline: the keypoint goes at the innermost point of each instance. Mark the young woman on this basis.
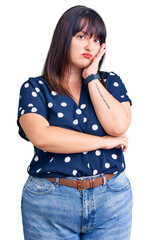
(76, 117)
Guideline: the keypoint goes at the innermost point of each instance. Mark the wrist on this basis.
(91, 77)
(102, 142)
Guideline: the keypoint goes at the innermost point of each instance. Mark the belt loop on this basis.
(104, 179)
(57, 182)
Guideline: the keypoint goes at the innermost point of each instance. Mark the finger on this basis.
(102, 49)
(118, 146)
(125, 147)
(99, 55)
(101, 52)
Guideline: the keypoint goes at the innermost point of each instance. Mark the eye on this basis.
(97, 40)
(81, 36)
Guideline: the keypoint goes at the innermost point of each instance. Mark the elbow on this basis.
(117, 132)
(119, 129)
(38, 140)
(40, 143)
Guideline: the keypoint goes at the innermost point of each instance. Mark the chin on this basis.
(86, 64)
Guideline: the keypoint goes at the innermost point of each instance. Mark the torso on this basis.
(63, 112)
(76, 91)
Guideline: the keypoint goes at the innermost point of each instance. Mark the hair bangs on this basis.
(92, 25)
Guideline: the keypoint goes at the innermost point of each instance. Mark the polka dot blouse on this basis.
(62, 111)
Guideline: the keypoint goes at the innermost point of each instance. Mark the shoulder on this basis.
(33, 82)
(34, 86)
(115, 84)
(108, 75)
(112, 79)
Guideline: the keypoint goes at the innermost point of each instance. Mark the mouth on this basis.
(87, 55)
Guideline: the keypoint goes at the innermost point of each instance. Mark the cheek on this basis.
(73, 48)
(97, 49)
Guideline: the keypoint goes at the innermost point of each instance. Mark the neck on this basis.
(75, 76)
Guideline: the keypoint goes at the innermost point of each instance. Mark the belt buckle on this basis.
(84, 184)
(81, 184)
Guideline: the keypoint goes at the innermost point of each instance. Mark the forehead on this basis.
(87, 27)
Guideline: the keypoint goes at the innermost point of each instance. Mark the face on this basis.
(83, 49)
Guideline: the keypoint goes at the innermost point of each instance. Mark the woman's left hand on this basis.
(93, 67)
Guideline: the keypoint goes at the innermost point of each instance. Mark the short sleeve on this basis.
(116, 88)
(31, 100)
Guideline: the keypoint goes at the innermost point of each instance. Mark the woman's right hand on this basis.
(115, 142)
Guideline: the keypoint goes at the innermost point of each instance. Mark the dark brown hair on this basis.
(57, 61)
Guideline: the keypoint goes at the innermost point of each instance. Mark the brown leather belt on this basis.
(82, 184)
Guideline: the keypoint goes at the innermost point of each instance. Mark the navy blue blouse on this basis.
(62, 111)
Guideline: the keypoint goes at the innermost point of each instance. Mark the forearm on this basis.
(109, 111)
(60, 140)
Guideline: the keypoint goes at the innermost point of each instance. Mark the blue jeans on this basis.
(55, 212)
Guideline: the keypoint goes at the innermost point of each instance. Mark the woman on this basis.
(76, 118)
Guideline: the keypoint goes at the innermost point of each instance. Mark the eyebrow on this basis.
(85, 33)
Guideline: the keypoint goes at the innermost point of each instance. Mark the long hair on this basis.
(71, 22)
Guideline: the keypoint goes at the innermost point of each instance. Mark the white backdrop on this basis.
(26, 30)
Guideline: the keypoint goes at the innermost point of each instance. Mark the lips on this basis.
(87, 55)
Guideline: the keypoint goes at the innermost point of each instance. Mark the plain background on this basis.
(26, 30)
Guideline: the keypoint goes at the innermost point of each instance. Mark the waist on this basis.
(82, 184)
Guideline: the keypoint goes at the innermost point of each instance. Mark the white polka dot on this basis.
(98, 153)
(37, 89)
(26, 85)
(48, 172)
(88, 165)
(123, 165)
(30, 105)
(114, 156)
(22, 112)
(50, 104)
(85, 152)
(95, 127)
(112, 74)
(34, 109)
(74, 172)
(40, 82)
(20, 108)
(28, 168)
(39, 170)
(34, 94)
(51, 160)
(95, 172)
(75, 122)
(107, 165)
(67, 159)
(78, 111)
(105, 80)
(63, 104)
(53, 93)
(36, 159)
(122, 96)
(83, 106)
(60, 115)
(115, 172)
(84, 119)
(116, 84)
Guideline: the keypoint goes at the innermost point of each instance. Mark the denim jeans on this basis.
(54, 212)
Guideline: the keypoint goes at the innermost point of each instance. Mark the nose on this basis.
(88, 45)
